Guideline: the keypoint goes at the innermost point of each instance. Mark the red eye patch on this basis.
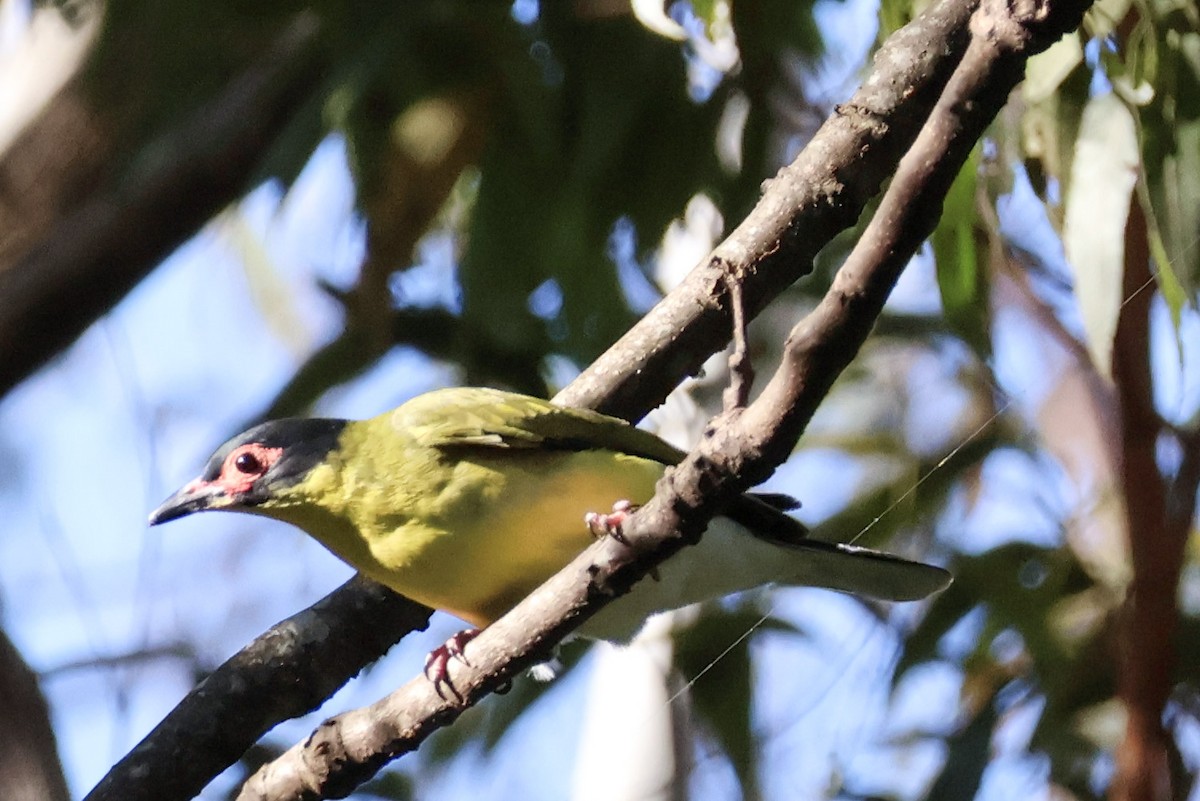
(245, 465)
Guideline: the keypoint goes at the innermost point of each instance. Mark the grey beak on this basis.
(196, 496)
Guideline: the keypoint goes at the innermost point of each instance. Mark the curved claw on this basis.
(437, 664)
(610, 524)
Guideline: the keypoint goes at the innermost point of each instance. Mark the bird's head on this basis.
(250, 471)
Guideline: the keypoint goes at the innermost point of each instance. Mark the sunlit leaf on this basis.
(1103, 177)
(895, 14)
(271, 293)
(1103, 723)
(710, 10)
(1104, 16)
(1056, 89)
(1171, 127)
(653, 14)
(1046, 71)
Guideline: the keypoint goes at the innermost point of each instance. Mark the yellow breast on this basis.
(473, 532)
(503, 524)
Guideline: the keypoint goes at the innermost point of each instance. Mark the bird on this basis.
(466, 499)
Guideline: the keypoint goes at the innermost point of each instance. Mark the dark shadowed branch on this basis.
(820, 194)
(286, 672)
(740, 447)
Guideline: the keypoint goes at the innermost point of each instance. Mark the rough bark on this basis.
(877, 125)
(286, 672)
(740, 447)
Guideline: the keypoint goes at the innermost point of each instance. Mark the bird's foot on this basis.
(610, 524)
(437, 664)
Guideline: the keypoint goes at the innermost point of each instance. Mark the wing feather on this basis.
(492, 418)
(478, 417)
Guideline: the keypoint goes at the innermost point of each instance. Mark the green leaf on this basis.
(1103, 176)
(711, 11)
(962, 278)
(1059, 91)
(895, 14)
(1171, 131)
(610, 132)
(391, 785)
(1168, 274)
(1019, 586)
(653, 14)
(1104, 16)
(774, 37)
(1046, 71)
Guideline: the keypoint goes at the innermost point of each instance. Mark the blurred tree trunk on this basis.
(55, 142)
(83, 218)
(29, 766)
(1157, 539)
(93, 194)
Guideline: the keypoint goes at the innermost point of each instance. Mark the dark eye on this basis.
(248, 463)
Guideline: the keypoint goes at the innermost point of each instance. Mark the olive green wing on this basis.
(474, 417)
(491, 418)
(487, 418)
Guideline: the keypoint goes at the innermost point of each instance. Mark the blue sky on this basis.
(131, 411)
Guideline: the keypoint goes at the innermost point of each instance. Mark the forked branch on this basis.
(740, 448)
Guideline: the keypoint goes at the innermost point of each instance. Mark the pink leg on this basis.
(437, 664)
(610, 524)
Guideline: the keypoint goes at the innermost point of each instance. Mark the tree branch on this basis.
(781, 234)
(910, 69)
(95, 255)
(810, 201)
(830, 181)
(286, 672)
(29, 766)
(739, 448)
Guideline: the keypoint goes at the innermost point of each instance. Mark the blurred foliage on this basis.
(714, 655)
(535, 134)
(959, 251)
(560, 127)
(1148, 54)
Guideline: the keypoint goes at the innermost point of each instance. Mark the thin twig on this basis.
(820, 194)
(347, 749)
(741, 370)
